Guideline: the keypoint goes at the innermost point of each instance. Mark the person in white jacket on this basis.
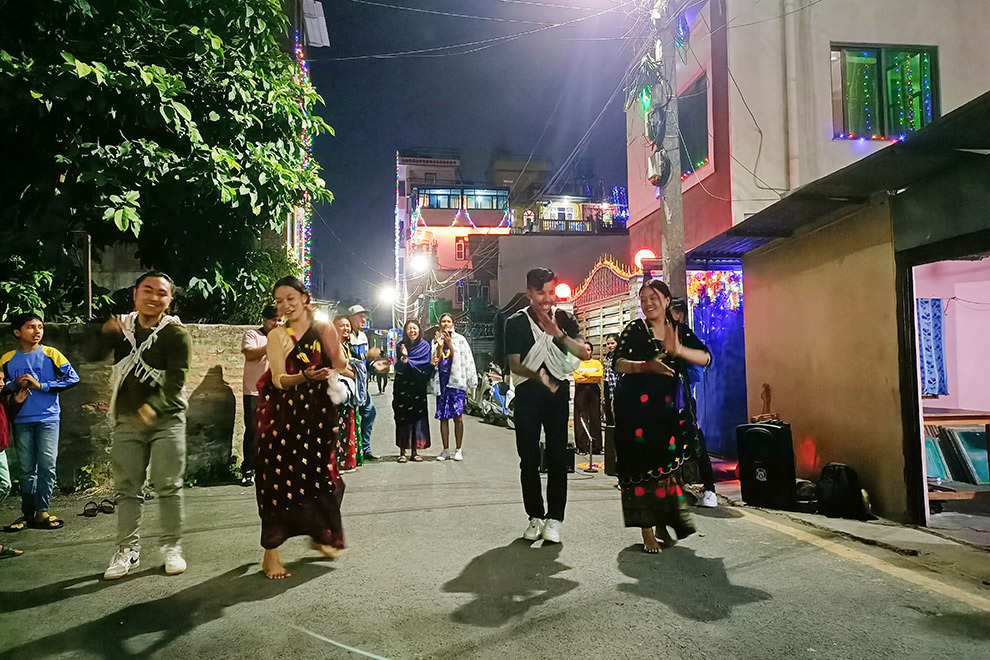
(456, 374)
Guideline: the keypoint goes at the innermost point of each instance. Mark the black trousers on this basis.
(537, 408)
(250, 445)
(588, 417)
(607, 405)
(705, 463)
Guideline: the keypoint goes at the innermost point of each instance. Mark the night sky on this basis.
(499, 98)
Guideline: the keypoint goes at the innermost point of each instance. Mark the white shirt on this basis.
(254, 369)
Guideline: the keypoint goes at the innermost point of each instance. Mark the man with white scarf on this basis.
(544, 346)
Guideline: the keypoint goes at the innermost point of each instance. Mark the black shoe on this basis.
(247, 480)
(371, 457)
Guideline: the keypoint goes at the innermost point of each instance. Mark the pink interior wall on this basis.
(965, 288)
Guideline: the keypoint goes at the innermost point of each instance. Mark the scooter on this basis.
(497, 398)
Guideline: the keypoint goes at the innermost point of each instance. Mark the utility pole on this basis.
(672, 230)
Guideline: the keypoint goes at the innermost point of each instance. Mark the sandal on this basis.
(17, 526)
(8, 552)
(107, 506)
(51, 522)
(90, 509)
(418, 458)
(402, 459)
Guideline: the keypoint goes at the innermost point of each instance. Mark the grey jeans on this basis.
(135, 445)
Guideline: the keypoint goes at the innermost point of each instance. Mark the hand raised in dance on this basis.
(657, 366)
(405, 354)
(671, 340)
(547, 323)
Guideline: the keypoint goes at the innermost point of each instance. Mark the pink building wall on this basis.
(964, 286)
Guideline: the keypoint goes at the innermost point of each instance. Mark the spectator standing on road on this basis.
(611, 377)
(42, 372)
(253, 347)
(10, 404)
(358, 317)
(588, 404)
(152, 353)
(653, 422)
(690, 375)
(349, 456)
(413, 372)
(299, 488)
(544, 347)
(456, 374)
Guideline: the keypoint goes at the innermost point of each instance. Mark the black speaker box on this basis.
(766, 465)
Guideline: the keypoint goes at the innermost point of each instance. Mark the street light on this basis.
(420, 263)
(386, 295)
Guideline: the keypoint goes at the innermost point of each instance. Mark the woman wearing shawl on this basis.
(348, 427)
(653, 423)
(299, 488)
(611, 377)
(456, 374)
(412, 374)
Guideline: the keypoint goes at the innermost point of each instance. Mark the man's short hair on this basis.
(20, 320)
(538, 277)
(155, 273)
(679, 305)
(269, 313)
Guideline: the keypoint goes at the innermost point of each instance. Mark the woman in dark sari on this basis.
(611, 377)
(298, 486)
(653, 423)
(413, 373)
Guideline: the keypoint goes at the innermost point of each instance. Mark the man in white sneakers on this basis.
(152, 353)
(544, 346)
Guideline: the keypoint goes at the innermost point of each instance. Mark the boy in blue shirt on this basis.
(43, 372)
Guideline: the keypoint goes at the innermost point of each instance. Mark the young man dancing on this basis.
(544, 346)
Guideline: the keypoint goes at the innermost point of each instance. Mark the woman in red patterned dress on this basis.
(298, 486)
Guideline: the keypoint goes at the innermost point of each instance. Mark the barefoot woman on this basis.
(652, 421)
(299, 489)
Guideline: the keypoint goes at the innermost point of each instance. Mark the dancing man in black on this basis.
(544, 347)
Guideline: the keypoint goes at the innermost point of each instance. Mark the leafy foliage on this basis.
(172, 124)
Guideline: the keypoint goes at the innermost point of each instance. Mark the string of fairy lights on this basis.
(301, 236)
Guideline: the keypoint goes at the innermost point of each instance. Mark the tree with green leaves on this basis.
(176, 125)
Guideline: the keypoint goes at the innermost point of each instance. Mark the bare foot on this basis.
(666, 539)
(325, 550)
(650, 543)
(273, 566)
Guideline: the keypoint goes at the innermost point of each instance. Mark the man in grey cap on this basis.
(358, 316)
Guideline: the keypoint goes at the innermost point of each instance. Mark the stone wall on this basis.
(214, 421)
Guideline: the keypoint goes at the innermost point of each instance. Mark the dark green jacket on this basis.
(171, 352)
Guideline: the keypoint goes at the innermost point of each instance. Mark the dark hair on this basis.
(155, 273)
(538, 277)
(660, 287)
(292, 282)
(446, 314)
(405, 330)
(678, 305)
(589, 344)
(612, 335)
(269, 312)
(18, 321)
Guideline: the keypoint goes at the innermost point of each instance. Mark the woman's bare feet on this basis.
(273, 566)
(326, 550)
(650, 542)
(666, 539)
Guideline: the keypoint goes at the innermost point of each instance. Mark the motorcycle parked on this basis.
(494, 399)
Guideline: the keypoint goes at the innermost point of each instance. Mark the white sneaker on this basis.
(174, 563)
(123, 562)
(458, 456)
(709, 500)
(442, 456)
(534, 531)
(551, 530)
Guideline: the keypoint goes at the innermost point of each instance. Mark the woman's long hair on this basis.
(661, 288)
(405, 333)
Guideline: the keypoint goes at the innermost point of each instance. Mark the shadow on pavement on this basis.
(971, 626)
(694, 587)
(508, 581)
(721, 512)
(145, 628)
(12, 601)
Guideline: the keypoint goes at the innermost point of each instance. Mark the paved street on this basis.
(436, 569)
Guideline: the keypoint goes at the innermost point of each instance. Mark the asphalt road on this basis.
(436, 569)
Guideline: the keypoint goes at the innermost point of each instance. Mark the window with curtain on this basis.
(931, 346)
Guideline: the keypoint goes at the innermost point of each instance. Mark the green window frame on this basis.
(882, 92)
